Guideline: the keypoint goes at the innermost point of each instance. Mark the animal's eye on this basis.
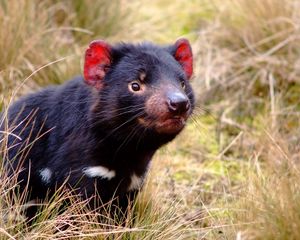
(182, 84)
(134, 86)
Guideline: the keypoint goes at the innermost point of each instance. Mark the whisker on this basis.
(202, 111)
(122, 113)
(127, 139)
(120, 126)
(141, 136)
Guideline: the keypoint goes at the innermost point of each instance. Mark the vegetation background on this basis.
(234, 172)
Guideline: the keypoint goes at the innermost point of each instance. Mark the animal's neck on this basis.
(127, 157)
(120, 150)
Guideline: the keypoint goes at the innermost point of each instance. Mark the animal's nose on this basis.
(178, 103)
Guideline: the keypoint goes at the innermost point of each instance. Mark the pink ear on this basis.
(97, 62)
(183, 54)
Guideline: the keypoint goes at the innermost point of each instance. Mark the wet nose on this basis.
(178, 103)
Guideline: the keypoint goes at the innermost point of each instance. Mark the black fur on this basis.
(74, 126)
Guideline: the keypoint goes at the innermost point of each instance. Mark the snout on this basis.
(177, 110)
(167, 111)
(178, 103)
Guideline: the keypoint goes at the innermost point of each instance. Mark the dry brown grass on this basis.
(248, 74)
(268, 204)
(234, 172)
(247, 45)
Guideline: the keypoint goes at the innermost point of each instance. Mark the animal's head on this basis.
(142, 88)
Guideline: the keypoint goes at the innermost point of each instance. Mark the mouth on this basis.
(171, 125)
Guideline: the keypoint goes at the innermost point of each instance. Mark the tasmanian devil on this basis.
(97, 133)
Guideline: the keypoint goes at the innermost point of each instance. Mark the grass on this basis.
(234, 172)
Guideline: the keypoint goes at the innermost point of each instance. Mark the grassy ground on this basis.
(234, 172)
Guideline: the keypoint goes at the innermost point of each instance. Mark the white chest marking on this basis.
(46, 175)
(99, 171)
(136, 182)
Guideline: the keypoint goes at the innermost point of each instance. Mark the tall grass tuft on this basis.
(24, 40)
(248, 72)
(245, 46)
(269, 205)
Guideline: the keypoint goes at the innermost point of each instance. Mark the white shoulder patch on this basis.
(99, 171)
(136, 182)
(46, 175)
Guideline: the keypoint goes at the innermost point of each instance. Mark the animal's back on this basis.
(39, 124)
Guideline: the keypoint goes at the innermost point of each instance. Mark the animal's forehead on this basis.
(153, 57)
(156, 61)
(158, 54)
